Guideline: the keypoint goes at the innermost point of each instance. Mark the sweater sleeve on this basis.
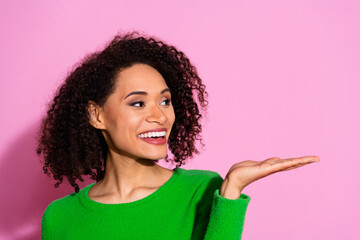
(50, 229)
(227, 217)
(45, 227)
(218, 217)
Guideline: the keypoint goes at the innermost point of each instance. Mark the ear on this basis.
(94, 114)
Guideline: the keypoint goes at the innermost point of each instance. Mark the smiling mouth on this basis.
(152, 135)
(154, 140)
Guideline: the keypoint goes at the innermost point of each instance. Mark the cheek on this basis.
(123, 127)
(171, 114)
(172, 117)
(128, 124)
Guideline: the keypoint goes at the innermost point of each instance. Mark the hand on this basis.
(243, 173)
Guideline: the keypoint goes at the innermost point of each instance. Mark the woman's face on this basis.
(140, 104)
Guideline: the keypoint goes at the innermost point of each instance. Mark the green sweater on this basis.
(187, 206)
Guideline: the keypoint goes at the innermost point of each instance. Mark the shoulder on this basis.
(198, 174)
(54, 215)
(58, 214)
(59, 207)
(64, 205)
(202, 179)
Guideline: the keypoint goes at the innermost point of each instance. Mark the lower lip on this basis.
(155, 141)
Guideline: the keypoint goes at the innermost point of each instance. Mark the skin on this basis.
(243, 173)
(131, 173)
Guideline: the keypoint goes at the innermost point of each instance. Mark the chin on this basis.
(155, 156)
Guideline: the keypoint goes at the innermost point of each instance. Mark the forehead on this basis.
(140, 77)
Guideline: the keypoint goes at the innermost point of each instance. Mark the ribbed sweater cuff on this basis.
(229, 213)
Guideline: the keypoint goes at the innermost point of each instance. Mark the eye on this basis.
(137, 104)
(167, 102)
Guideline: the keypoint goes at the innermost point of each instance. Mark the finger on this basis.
(246, 163)
(272, 166)
(274, 158)
(310, 158)
(293, 161)
(278, 160)
(296, 166)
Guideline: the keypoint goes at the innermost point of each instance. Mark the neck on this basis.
(123, 174)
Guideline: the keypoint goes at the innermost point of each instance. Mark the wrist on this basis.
(230, 190)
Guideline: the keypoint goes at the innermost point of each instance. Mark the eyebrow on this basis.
(145, 93)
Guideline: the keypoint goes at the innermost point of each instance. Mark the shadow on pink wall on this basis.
(26, 190)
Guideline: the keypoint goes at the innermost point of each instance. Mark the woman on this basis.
(113, 119)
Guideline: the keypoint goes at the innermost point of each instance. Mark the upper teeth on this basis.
(152, 134)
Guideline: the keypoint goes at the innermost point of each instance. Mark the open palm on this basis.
(243, 173)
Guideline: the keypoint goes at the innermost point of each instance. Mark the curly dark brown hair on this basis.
(72, 148)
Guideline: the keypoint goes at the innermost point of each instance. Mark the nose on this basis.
(156, 115)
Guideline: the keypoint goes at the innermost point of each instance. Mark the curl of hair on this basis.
(72, 148)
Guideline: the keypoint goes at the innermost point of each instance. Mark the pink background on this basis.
(283, 79)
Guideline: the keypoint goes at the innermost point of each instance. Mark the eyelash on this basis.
(167, 104)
